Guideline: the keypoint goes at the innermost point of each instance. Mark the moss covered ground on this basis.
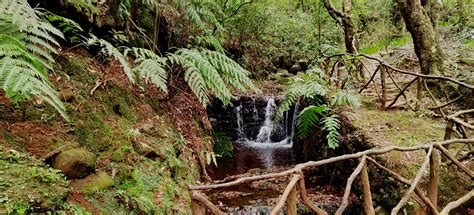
(144, 163)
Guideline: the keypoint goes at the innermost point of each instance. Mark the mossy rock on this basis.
(96, 182)
(75, 163)
(27, 185)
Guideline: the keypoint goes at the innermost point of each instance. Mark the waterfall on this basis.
(293, 121)
(240, 122)
(254, 111)
(266, 130)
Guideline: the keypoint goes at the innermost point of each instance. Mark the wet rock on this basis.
(75, 163)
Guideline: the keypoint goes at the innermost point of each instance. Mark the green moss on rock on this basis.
(27, 185)
(75, 163)
(97, 182)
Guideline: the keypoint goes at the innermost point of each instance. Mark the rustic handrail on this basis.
(285, 194)
(298, 177)
(326, 161)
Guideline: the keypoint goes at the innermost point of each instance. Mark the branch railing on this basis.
(332, 68)
(454, 125)
(289, 196)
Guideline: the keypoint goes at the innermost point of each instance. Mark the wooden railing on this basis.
(454, 126)
(288, 198)
(332, 64)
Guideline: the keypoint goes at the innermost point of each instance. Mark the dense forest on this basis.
(236, 106)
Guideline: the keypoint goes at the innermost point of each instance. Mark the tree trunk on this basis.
(345, 21)
(423, 32)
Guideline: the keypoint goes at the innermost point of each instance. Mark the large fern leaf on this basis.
(308, 118)
(331, 125)
(26, 44)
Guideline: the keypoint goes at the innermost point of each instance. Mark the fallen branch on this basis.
(207, 203)
(350, 180)
(452, 205)
(284, 196)
(301, 166)
(405, 181)
(415, 182)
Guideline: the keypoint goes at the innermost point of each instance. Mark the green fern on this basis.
(331, 125)
(148, 67)
(310, 87)
(205, 71)
(343, 98)
(308, 118)
(26, 44)
(212, 71)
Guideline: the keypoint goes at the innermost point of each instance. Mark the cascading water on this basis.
(240, 122)
(259, 141)
(266, 130)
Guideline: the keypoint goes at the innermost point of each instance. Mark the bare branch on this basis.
(457, 203)
(301, 166)
(414, 183)
(207, 203)
(304, 197)
(347, 192)
(407, 182)
(284, 196)
(455, 161)
(368, 205)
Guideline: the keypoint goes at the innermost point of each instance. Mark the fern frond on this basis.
(310, 87)
(308, 118)
(26, 44)
(109, 50)
(344, 98)
(331, 125)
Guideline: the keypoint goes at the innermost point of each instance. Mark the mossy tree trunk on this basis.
(421, 21)
(343, 18)
(422, 28)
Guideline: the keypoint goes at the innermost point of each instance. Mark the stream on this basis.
(267, 149)
(260, 145)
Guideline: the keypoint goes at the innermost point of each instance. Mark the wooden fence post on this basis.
(291, 202)
(368, 205)
(197, 208)
(434, 177)
(384, 87)
(447, 135)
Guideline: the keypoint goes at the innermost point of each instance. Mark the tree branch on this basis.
(284, 196)
(457, 203)
(350, 180)
(407, 182)
(414, 183)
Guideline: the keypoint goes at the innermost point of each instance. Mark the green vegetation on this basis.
(27, 184)
(26, 44)
(131, 81)
(313, 89)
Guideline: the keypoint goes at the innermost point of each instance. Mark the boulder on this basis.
(75, 163)
(95, 182)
